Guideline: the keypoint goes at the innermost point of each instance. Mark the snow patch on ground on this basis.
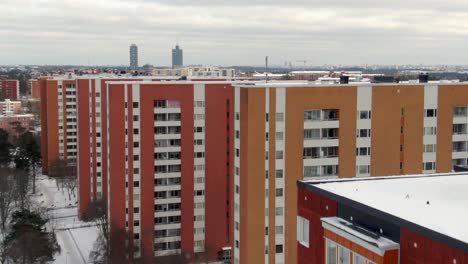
(75, 237)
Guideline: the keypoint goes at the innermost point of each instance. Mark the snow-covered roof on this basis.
(359, 235)
(438, 202)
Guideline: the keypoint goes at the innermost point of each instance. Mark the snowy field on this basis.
(76, 238)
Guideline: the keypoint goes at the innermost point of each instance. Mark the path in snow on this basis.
(76, 238)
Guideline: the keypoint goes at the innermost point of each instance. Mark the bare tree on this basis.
(7, 196)
(22, 186)
(65, 174)
(97, 212)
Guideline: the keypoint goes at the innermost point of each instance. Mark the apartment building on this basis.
(167, 145)
(287, 132)
(58, 120)
(59, 112)
(11, 122)
(10, 89)
(35, 89)
(412, 219)
(8, 107)
(169, 154)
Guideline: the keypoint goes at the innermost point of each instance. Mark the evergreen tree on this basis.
(5, 155)
(29, 154)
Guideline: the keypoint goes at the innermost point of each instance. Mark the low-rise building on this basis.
(9, 89)
(384, 220)
(8, 107)
(16, 124)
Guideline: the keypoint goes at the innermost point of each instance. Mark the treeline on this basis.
(25, 235)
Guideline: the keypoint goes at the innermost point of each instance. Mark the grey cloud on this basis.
(234, 32)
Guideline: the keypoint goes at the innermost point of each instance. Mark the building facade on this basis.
(177, 57)
(10, 89)
(10, 123)
(167, 146)
(8, 107)
(386, 220)
(168, 151)
(35, 89)
(332, 131)
(133, 57)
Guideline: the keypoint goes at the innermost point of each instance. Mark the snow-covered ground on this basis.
(76, 238)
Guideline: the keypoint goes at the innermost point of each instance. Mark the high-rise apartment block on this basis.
(133, 57)
(9, 89)
(200, 168)
(167, 147)
(335, 131)
(177, 57)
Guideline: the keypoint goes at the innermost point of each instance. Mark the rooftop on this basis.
(437, 202)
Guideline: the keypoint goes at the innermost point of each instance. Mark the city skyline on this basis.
(322, 32)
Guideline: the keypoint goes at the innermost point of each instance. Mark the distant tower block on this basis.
(133, 57)
(177, 57)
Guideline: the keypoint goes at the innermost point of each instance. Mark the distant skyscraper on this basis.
(133, 57)
(177, 57)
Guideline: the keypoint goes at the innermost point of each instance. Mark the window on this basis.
(431, 131)
(430, 113)
(364, 114)
(312, 115)
(136, 157)
(344, 256)
(135, 104)
(429, 148)
(311, 171)
(429, 166)
(460, 111)
(279, 117)
(311, 153)
(312, 134)
(279, 173)
(135, 131)
(459, 129)
(330, 170)
(363, 169)
(135, 118)
(279, 154)
(303, 231)
(331, 252)
(279, 192)
(363, 133)
(279, 211)
(279, 249)
(279, 135)
(359, 259)
(237, 134)
(279, 230)
(366, 151)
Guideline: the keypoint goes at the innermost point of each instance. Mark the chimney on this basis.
(423, 78)
(344, 79)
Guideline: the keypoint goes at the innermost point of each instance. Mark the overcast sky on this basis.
(236, 32)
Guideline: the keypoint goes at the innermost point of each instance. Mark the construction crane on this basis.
(303, 61)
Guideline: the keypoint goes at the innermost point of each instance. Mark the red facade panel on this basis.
(218, 134)
(84, 177)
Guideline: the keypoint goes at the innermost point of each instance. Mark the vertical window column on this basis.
(280, 174)
(363, 133)
(430, 128)
(236, 173)
(199, 161)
